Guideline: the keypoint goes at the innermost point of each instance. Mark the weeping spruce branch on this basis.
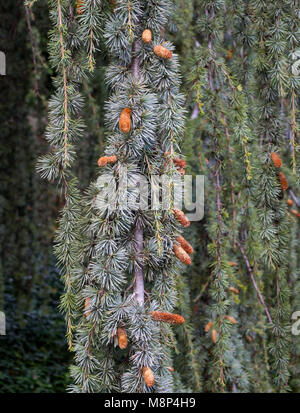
(122, 331)
(63, 129)
(123, 268)
(138, 229)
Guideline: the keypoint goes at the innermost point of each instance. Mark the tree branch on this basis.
(261, 299)
(138, 230)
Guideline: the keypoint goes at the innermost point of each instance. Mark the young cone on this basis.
(296, 213)
(122, 338)
(185, 244)
(125, 120)
(232, 263)
(276, 160)
(180, 163)
(148, 376)
(181, 218)
(167, 317)
(231, 319)
(283, 181)
(208, 326)
(290, 202)
(229, 54)
(233, 290)
(147, 36)
(104, 160)
(214, 336)
(162, 52)
(182, 255)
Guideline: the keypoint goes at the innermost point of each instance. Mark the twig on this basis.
(60, 25)
(231, 180)
(138, 269)
(138, 230)
(203, 288)
(261, 299)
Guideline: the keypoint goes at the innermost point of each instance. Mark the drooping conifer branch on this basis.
(218, 269)
(138, 229)
(64, 129)
(254, 282)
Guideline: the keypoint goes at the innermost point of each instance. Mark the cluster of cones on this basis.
(290, 203)
(104, 160)
(282, 178)
(181, 250)
(283, 182)
(159, 50)
(122, 339)
(213, 331)
(147, 372)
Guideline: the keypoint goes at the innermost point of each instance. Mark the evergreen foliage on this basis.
(228, 98)
(126, 247)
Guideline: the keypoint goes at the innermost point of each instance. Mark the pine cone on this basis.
(208, 326)
(104, 160)
(162, 52)
(233, 290)
(125, 120)
(181, 218)
(214, 336)
(276, 160)
(147, 36)
(229, 54)
(290, 202)
(180, 163)
(148, 376)
(185, 244)
(182, 255)
(232, 263)
(167, 317)
(283, 181)
(231, 319)
(122, 338)
(294, 212)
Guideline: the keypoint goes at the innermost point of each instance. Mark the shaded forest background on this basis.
(33, 354)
